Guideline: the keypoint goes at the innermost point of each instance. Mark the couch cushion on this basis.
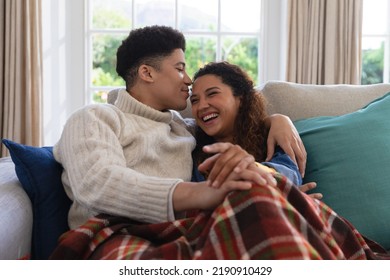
(349, 158)
(40, 176)
(299, 101)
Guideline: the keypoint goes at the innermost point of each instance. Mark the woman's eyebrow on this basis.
(207, 90)
(212, 88)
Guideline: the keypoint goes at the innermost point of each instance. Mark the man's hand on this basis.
(195, 196)
(190, 196)
(283, 133)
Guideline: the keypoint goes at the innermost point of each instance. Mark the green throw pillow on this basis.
(349, 158)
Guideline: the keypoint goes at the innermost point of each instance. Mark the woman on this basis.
(227, 108)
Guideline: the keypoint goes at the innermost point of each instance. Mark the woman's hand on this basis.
(227, 158)
(309, 186)
(284, 134)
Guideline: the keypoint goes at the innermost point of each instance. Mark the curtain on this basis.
(20, 72)
(324, 41)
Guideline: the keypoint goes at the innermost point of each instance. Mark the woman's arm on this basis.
(284, 134)
(284, 165)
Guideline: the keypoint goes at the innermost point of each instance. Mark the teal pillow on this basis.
(349, 158)
(40, 176)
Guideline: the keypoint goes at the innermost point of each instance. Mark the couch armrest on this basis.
(15, 215)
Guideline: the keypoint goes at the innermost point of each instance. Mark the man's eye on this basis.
(180, 70)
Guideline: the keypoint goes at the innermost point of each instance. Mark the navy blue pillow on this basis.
(40, 176)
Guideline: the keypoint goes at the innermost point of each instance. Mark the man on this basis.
(133, 159)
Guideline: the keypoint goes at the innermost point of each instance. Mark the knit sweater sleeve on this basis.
(96, 176)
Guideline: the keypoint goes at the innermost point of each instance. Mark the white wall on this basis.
(64, 85)
(63, 63)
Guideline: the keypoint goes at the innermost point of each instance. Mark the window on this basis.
(376, 42)
(214, 30)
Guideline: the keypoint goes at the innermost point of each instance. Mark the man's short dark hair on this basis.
(146, 45)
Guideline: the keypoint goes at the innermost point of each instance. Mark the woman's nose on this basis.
(203, 103)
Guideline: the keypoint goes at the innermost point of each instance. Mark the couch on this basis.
(345, 129)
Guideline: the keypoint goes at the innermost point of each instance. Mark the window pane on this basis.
(242, 51)
(375, 16)
(199, 51)
(152, 12)
(111, 14)
(104, 49)
(372, 60)
(200, 15)
(242, 15)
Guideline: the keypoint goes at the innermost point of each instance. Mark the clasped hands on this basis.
(233, 168)
(230, 168)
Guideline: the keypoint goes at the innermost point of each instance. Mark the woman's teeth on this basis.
(209, 117)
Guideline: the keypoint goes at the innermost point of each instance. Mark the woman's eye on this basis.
(193, 101)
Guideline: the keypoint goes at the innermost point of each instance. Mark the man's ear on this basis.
(145, 73)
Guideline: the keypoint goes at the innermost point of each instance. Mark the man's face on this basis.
(170, 87)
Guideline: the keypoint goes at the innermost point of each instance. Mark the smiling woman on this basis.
(211, 103)
(227, 108)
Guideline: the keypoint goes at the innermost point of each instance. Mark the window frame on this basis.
(66, 50)
(386, 38)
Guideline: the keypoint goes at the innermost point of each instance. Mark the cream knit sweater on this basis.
(124, 160)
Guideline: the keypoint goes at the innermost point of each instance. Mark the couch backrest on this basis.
(299, 101)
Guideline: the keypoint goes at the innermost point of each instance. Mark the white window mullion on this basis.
(88, 52)
(262, 57)
(386, 64)
(177, 14)
(132, 14)
(219, 39)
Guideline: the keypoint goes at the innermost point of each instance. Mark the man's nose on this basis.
(187, 79)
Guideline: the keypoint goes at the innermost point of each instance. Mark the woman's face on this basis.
(214, 107)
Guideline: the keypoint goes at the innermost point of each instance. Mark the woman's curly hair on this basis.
(250, 127)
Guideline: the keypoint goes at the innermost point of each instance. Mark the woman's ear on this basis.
(145, 73)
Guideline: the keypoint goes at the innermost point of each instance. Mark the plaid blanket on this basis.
(262, 223)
